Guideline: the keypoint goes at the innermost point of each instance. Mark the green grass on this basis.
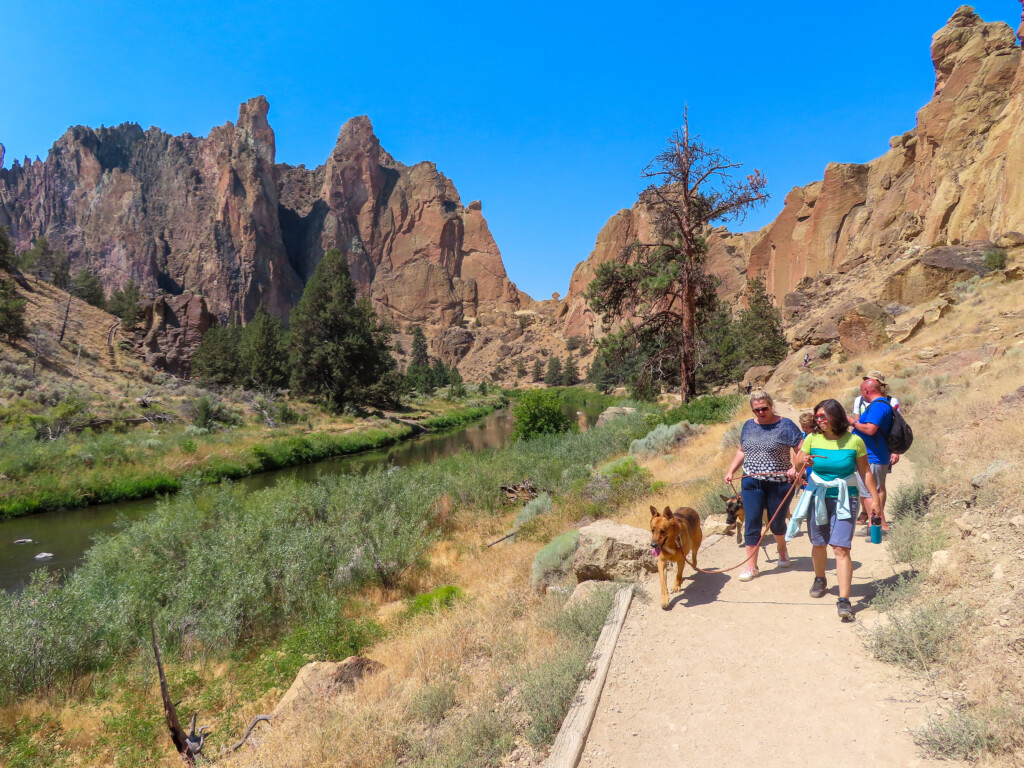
(95, 469)
(221, 570)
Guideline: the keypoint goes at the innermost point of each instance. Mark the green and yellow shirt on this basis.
(834, 459)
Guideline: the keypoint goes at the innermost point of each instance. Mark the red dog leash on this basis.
(782, 503)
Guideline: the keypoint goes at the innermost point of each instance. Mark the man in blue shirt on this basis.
(873, 426)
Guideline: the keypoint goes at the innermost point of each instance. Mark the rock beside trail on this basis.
(715, 524)
(611, 551)
(319, 681)
(584, 591)
(613, 412)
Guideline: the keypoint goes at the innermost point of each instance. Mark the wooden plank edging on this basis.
(572, 736)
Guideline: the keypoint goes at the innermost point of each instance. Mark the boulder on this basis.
(941, 564)
(863, 329)
(905, 330)
(715, 524)
(583, 592)
(611, 551)
(319, 681)
(1010, 240)
(758, 376)
(613, 412)
(995, 468)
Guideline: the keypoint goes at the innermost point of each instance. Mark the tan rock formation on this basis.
(957, 177)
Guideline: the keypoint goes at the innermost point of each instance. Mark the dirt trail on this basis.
(757, 673)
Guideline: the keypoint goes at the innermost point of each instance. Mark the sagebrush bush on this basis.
(913, 541)
(538, 506)
(921, 636)
(963, 734)
(994, 258)
(664, 438)
(910, 501)
(554, 559)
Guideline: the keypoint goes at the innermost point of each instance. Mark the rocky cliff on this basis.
(957, 177)
(217, 218)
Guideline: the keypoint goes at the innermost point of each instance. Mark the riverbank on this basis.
(298, 572)
(86, 469)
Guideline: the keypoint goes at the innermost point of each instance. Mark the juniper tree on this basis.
(659, 284)
(339, 350)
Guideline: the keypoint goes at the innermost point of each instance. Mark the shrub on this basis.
(910, 502)
(921, 636)
(539, 412)
(994, 258)
(433, 701)
(534, 507)
(555, 558)
(912, 541)
(710, 409)
(547, 689)
(436, 599)
(731, 438)
(962, 735)
(663, 438)
(805, 385)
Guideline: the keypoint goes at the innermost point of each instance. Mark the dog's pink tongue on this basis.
(656, 551)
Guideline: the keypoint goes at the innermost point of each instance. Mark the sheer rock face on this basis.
(413, 248)
(216, 216)
(175, 213)
(957, 177)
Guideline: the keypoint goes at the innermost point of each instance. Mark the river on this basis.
(66, 534)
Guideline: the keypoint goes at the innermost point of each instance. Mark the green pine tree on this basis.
(570, 371)
(339, 350)
(538, 371)
(125, 304)
(88, 288)
(263, 352)
(553, 377)
(12, 312)
(759, 327)
(218, 359)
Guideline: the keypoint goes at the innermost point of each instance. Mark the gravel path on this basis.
(757, 673)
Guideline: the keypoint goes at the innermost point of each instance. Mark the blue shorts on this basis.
(836, 532)
(760, 496)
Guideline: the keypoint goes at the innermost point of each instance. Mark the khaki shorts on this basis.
(878, 471)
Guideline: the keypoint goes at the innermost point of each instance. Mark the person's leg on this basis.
(818, 534)
(844, 570)
(753, 507)
(881, 471)
(865, 514)
(778, 498)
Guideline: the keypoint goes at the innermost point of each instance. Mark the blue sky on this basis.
(547, 112)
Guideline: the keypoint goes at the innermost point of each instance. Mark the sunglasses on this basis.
(820, 417)
(760, 410)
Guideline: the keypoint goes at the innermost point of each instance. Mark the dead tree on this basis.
(190, 745)
(658, 284)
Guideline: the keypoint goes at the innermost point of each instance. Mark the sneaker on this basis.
(819, 587)
(784, 561)
(845, 609)
(749, 574)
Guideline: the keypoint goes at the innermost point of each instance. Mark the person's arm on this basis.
(894, 458)
(737, 460)
(864, 429)
(864, 470)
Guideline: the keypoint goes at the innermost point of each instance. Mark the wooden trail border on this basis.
(572, 736)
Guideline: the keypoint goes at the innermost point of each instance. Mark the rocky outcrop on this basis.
(174, 213)
(215, 217)
(956, 178)
(175, 325)
(413, 248)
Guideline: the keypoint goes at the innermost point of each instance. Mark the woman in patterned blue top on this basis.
(768, 445)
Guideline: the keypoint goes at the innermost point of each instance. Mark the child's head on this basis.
(807, 421)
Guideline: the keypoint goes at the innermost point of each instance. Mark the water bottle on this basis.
(876, 530)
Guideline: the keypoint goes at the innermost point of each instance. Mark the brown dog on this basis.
(734, 514)
(674, 535)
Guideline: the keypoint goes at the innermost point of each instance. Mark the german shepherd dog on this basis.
(734, 514)
(674, 535)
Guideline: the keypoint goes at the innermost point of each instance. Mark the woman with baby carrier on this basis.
(767, 444)
(830, 503)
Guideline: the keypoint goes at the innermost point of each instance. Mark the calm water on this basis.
(67, 534)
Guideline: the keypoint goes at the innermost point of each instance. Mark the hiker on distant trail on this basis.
(807, 358)
(872, 421)
(768, 445)
(840, 468)
(806, 428)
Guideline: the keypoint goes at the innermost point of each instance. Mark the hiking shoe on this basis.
(819, 587)
(749, 574)
(845, 609)
(784, 561)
